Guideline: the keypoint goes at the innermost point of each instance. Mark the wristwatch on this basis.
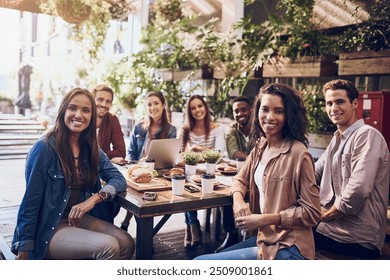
(104, 195)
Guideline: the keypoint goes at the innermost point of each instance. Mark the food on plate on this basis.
(230, 169)
(222, 166)
(176, 170)
(196, 178)
(131, 169)
(141, 175)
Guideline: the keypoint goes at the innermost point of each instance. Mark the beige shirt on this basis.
(290, 189)
(354, 176)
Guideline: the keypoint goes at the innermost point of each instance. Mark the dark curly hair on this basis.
(296, 120)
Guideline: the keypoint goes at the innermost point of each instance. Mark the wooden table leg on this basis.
(144, 239)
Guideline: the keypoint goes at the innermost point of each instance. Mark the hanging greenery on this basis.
(372, 34)
(89, 21)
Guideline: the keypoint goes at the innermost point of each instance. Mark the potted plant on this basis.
(320, 128)
(211, 157)
(366, 47)
(89, 22)
(191, 159)
(301, 50)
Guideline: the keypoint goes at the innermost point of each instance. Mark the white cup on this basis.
(178, 181)
(149, 165)
(207, 183)
(240, 163)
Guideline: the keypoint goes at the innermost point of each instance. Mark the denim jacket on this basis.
(47, 194)
(138, 137)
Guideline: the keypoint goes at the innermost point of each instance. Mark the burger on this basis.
(222, 166)
(175, 171)
(131, 169)
(230, 169)
(141, 175)
(196, 178)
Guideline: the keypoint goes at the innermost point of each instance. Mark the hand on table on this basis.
(119, 160)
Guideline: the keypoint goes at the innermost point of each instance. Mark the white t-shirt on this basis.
(259, 173)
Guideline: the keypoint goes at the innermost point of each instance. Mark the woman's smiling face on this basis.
(78, 114)
(155, 107)
(272, 115)
(198, 110)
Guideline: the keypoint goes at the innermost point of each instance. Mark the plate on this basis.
(228, 173)
(216, 183)
(167, 176)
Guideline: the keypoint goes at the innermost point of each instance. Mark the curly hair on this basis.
(351, 90)
(296, 120)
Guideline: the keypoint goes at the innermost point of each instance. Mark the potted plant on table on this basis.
(191, 159)
(211, 157)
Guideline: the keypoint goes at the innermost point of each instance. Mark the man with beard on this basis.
(239, 144)
(110, 135)
(111, 141)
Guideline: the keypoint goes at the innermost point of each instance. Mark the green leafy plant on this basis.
(191, 158)
(211, 156)
(299, 38)
(371, 34)
(314, 101)
(90, 32)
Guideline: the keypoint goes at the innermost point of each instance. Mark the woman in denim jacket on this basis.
(155, 126)
(63, 172)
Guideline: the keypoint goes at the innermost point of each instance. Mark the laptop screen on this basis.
(165, 152)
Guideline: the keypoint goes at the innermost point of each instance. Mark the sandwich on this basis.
(131, 169)
(230, 169)
(141, 175)
(196, 178)
(175, 171)
(226, 168)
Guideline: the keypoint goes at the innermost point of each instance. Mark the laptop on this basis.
(165, 152)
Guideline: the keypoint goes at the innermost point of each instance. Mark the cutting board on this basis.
(156, 184)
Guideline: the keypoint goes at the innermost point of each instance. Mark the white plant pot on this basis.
(210, 168)
(190, 169)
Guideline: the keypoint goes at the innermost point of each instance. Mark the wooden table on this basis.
(165, 205)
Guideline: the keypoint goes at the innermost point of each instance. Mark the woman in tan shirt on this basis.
(278, 178)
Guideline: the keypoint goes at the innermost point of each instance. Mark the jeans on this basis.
(247, 250)
(191, 217)
(349, 249)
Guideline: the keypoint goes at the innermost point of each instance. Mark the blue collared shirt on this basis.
(138, 137)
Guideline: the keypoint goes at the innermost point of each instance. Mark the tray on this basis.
(155, 184)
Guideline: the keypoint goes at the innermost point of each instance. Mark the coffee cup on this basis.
(207, 183)
(149, 163)
(240, 163)
(178, 181)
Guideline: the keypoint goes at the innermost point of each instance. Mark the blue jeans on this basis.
(191, 217)
(247, 250)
